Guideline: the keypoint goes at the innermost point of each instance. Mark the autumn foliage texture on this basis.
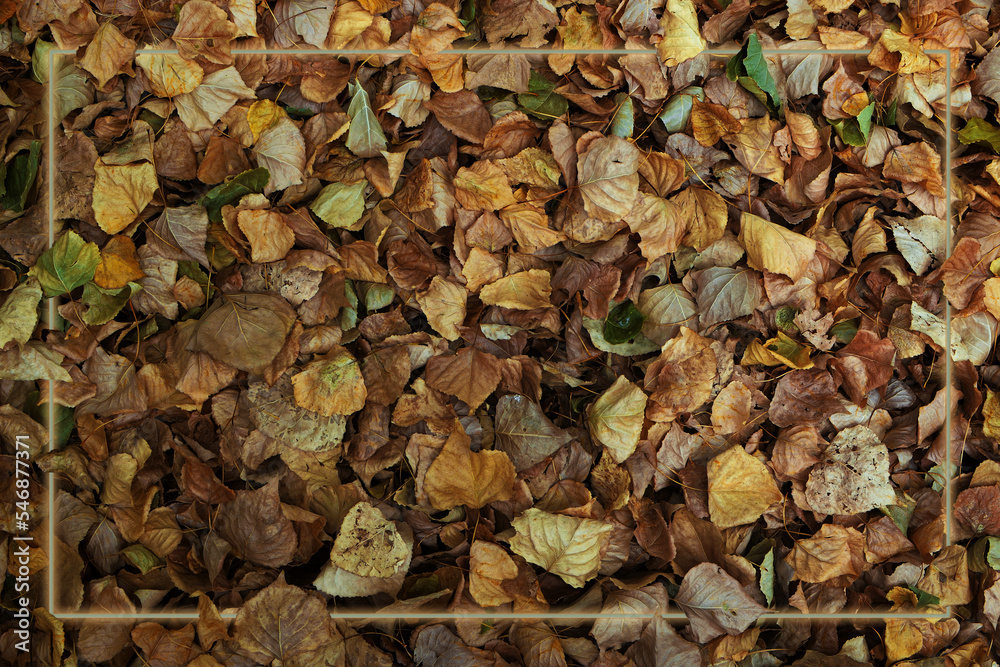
(418, 330)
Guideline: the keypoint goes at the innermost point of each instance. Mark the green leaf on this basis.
(849, 132)
(142, 558)
(21, 172)
(902, 512)
(541, 100)
(865, 121)
(40, 413)
(104, 304)
(68, 264)
(376, 295)
(735, 64)
(341, 205)
(756, 69)
(844, 331)
(924, 599)
(623, 323)
(365, 137)
(993, 553)
(677, 111)
(19, 313)
(978, 131)
(251, 181)
(623, 121)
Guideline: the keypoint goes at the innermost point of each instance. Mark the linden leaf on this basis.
(470, 374)
(282, 152)
(854, 477)
(524, 432)
(740, 488)
(66, 265)
(682, 38)
(615, 419)
(567, 546)
(331, 384)
(244, 330)
(19, 312)
(459, 476)
(121, 192)
(775, 248)
(525, 290)
(368, 544)
(365, 137)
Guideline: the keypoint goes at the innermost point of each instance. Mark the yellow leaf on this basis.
(270, 238)
(170, 75)
(567, 546)
(331, 384)
(349, 21)
(616, 417)
(368, 544)
(483, 187)
(121, 192)
(526, 290)
(459, 476)
(490, 565)
(778, 351)
(775, 248)
(681, 38)
(705, 214)
(119, 264)
(444, 306)
(262, 115)
(107, 53)
(740, 488)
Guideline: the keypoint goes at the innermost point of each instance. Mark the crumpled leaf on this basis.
(567, 546)
(854, 475)
(615, 419)
(66, 265)
(282, 152)
(212, 98)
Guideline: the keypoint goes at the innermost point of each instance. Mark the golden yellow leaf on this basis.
(349, 21)
(490, 565)
(740, 488)
(170, 75)
(444, 306)
(526, 290)
(107, 53)
(775, 248)
(681, 36)
(262, 115)
(459, 476)
(121, 192)
(331, 384)
(567, 546)
(270, 238)
(119, 264)
(616, 417)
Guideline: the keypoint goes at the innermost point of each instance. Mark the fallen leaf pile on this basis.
(446, 332)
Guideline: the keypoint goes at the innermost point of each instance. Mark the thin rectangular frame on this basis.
(677, 617)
